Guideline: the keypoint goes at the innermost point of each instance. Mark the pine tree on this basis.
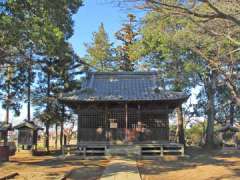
(211, 28)
(100, 51)
(30, 33)
(127, 35)
(159, 51)
(70, 67)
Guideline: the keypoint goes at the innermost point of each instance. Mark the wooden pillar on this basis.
(139, 120)
(107, 129)
(139, 112)
(78, 129)
(126, 122)
(167, 119)
(182, 150)
(161, 150)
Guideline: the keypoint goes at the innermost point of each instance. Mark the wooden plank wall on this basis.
(94, 124)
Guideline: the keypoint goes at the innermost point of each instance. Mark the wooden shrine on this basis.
(4, 148)
(27, 134)
(123, 108)
(228, 136)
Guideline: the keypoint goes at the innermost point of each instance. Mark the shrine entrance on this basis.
(122, 124)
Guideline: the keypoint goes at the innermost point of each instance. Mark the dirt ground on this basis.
(200, 165)
(48, 167)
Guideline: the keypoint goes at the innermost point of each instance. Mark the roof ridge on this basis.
(124, 86)
(123, 73)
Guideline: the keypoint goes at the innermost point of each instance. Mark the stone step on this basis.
(121, 169)
(123, 150)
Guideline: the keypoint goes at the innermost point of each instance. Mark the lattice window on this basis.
(25, 136)
(132, 119)
(154, 120)
(118, 116)
(92, 119)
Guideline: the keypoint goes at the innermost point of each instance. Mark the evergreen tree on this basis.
(11, 90)
(70, 67)
(211, 32)
(100, 51)
(158, 49)
(30, 32)
(127, 35)
(205, 32)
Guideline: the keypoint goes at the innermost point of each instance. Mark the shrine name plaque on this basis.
(113, 125)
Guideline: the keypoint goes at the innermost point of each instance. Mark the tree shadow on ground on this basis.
(197, 157)
(52, 167)
(121, 168)
(87, 173)
(60, 162)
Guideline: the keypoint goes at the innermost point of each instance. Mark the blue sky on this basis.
(89, 17)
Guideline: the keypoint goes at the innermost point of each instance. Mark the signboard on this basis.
(113, 125)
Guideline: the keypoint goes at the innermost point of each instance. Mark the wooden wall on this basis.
(146, 122)
(27, 136)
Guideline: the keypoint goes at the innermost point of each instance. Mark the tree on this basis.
(30, 32)
(56, 75)
(71, 66)
(127, 35)
(215, 21)
(32, 25)
(157, 47)
(100, 51)
(11, 89)
(209, 30)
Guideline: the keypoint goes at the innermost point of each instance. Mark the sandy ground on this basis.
(48, 167)
(199, 166)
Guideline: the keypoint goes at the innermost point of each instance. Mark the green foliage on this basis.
(210, 31)
(159, 46)
(12, 87)
(127, 35)
(33, 35)
(100, 51)
(195, 134)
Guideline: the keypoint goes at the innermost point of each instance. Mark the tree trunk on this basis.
(231, 113)
(7, 121)
(180, 127)
(48, 110)
(178, 86)
(47, 136)
(56, 136)
(65, 140)
(210, 110)
(233, 90)
(62, 126)
(29, 89)
(7, 114)
(9, 77)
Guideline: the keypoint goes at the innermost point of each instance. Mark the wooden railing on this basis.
(85, 150)
(92, 149)
(162, 149)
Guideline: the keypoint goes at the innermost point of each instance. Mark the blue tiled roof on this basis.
(122, 86)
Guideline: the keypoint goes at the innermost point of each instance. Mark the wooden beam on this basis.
(126, 122)
(106, 122)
